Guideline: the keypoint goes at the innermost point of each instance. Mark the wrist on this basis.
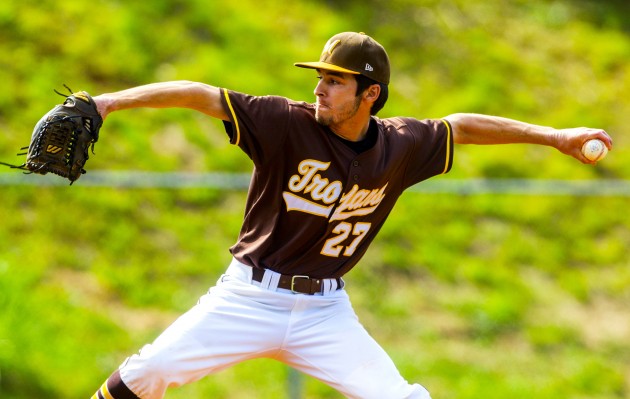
(104, 105)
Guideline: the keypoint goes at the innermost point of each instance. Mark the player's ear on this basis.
(371, 93)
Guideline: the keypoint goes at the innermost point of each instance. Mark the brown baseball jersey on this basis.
(315, 203)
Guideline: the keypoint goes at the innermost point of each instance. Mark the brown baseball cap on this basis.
(355, 53)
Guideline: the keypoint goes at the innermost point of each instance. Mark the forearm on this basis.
(484, 129)
(178, 94)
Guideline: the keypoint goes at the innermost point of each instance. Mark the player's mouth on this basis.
(321, 106)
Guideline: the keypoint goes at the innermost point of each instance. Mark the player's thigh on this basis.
(340, 352)
(224, 328)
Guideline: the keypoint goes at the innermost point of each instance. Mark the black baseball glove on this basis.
(62, 139)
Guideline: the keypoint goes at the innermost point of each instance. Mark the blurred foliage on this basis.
(481, 296)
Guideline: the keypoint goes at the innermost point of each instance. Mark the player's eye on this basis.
(329, 80)
(333, 81)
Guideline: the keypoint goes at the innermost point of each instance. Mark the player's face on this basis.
(336, 98)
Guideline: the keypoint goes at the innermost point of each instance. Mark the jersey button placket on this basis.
(355, 170)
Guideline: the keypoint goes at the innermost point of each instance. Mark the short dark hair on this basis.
(363, 82)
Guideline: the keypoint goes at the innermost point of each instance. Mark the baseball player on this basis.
(326, 176)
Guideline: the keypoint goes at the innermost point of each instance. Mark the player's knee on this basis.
(148, 373)
(148, 365)
(399, 391)
(419, 392)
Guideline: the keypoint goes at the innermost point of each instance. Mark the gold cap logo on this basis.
(330, 47)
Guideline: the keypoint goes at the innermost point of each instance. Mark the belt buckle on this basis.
(293, 283)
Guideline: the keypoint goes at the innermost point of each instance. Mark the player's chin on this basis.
(323, 118)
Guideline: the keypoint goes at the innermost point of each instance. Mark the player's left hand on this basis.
(62, 139)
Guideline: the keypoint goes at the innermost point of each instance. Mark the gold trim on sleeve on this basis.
(229, 103)
(448, 146)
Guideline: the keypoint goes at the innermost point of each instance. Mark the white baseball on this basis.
(594, 150)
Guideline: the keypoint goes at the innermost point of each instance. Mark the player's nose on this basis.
(319, 88)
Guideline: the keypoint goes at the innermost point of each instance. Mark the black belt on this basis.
(297, 284)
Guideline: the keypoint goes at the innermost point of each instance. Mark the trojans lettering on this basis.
(359, 202)
(309, 181)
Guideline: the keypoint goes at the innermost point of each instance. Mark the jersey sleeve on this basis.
(258, 124)
(432, 152)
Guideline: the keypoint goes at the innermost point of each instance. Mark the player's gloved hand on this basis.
(62, 138)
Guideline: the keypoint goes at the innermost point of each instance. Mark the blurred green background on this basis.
(474, 296)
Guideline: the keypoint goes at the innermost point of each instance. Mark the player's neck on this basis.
(353, 129)
(366, 144)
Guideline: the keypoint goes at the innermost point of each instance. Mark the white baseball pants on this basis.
(236, 320)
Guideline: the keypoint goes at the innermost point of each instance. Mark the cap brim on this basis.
(326, 66)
